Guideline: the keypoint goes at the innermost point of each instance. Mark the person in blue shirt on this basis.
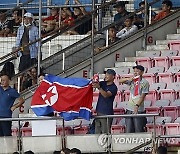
(8, 96)
(107, 93)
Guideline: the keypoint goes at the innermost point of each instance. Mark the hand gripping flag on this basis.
(70, 97)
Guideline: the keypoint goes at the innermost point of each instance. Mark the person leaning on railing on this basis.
(8, 96)
(139, 88)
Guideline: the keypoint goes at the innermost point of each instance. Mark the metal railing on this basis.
(19, 120)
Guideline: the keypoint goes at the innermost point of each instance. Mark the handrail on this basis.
(96, 117)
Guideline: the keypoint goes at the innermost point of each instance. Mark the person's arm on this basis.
(126, 33)
(84, 12)
(124, 80)
(20, 102)
(103, 93)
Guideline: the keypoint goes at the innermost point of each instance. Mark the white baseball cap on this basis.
(28, 14)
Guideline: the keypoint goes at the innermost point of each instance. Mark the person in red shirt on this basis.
(50, 23)
(166, 10)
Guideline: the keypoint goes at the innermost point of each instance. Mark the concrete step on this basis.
(178, 31)
(163, 42)
(173, 37)
(157, 47)
(130, 59)
(125, 64)
(149, 53)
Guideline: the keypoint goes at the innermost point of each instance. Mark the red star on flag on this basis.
(49, 95)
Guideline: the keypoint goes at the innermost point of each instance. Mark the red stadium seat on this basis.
(172, 128)
(145, 61)
(119, 127)
(81, 130)
(156, 70)
(166, 77)
(175, 60)
(26, 131)
(67, 130)
(150, 77)
(168, 94)
(174, 45)
(162, 62)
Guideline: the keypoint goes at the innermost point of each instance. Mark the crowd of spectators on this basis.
(23, 26)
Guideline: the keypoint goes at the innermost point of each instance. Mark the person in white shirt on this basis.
(128, 29)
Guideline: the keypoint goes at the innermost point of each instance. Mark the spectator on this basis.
(166, 10)
(27, 33)
(75, 151)
(111, 39)
(8, 96)
(139, 19)
(128, 30)
(139, 88)
(85, 27)
(8, 69)
(65, 151)
(162, 150)
(41, 77)
(29, 79)
(120, 8)
(107, 92)
(50, 23)
(16, 22)
(4, 25)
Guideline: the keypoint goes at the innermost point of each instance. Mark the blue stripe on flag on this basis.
(83, 113)
(42, 111)
(80, 82)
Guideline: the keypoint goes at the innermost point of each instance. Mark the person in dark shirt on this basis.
(15, 23)
(122, 12)
(111, 39)
(107, 93)
(4, 25)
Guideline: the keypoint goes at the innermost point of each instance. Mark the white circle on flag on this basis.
(51, 96)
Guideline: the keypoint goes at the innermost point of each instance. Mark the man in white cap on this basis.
(27, 33)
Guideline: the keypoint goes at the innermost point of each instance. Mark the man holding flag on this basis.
(139, 88)
(107, 92)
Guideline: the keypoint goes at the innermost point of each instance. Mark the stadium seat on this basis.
(119, 127)
(147, 103)
(125, 95)
(66, 131)
(122, 70)
(157, 107)
(173, 69)
(166, 77)
(120, 108)
(162, 61)
(173, 110)
(150, 77)
(156, 70)
(176, 87)
(177, 77)
(14, 131)
(169, 53)
(168, 94)
(172, 128)
(81, 130)
(175, 60)
(159, 125)
(174, 45)
(145, 61)
(153, 94)
(26, 131)
(177, 120)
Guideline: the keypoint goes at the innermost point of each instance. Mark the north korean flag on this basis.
(70, 97)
